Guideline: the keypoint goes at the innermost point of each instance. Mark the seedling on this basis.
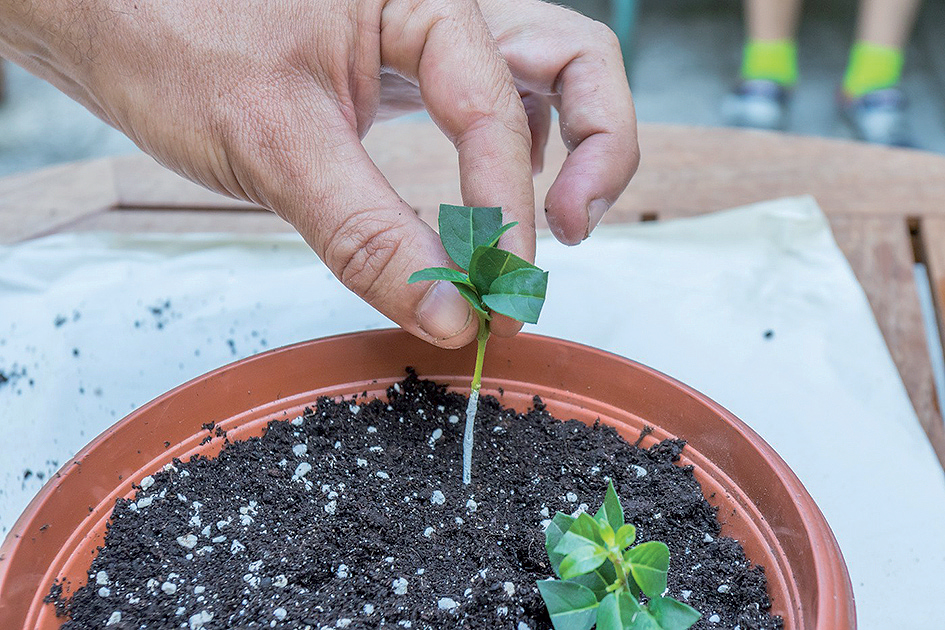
(602, 579)
(491, 279)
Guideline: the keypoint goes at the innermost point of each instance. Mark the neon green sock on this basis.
(773, 59)
(871, 67)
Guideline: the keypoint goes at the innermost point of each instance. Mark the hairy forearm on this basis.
(56, 40)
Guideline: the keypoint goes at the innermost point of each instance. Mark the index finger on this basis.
(469, 91)
(558, 52)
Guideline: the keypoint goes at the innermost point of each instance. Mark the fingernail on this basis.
(442, 312)
(595, 212)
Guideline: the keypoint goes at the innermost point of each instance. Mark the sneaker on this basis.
(878, 117)
(757, 103)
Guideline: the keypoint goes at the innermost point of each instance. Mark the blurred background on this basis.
(684, 57)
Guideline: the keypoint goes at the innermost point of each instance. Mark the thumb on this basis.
(372, 241)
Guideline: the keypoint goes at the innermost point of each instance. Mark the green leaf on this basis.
(439, 273)
(463, 229)
(582, 560)
(672, 614)
(472, 297)
(489, 263)
(598, 580)
(617, 611)
(611, 511)
(570, 605)
(583, 531)
(649, 563)
(494, 239)
(519, 294)
(625, 536)
(556, 529)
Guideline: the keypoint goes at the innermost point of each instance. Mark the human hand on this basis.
(270, 105)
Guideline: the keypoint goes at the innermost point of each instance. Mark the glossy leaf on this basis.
(617, 611)
(671, 614)
(583, 531)
(494, 239)
(463, 229)
(439, 273)
(625, 536)
(489, 263)
(570, 605)
(582, 560)
(519, 294)
(470, 295)
(611, 511)
(649, 563)
(598, 580)
(560, 523)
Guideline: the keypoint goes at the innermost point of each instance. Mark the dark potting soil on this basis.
(355, 515)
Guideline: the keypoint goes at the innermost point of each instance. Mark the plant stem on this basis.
(620, 569)
(481, 339)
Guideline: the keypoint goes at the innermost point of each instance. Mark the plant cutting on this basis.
(489, 279)
(602, 579)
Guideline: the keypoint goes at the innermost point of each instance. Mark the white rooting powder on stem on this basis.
(468, 435)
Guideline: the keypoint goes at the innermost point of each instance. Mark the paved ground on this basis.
(687, 54)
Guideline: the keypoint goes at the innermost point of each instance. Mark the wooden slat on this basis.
(183, 221)
(880, 251)
(39, 201)
(932, 235)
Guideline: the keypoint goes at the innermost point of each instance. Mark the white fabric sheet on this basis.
(693, 298)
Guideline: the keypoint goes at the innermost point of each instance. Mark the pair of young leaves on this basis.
(581, 550)
(493, 279)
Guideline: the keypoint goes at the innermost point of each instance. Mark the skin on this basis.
(270, 103)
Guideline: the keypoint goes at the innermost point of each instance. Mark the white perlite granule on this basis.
(169, 587)
(280, 613)
(299, 450)
(715, 619)
(509, 588)
(471, 505)
(369, 609)
(101, 578)
(639, 470)
(301, 470)
(445, 603)
(280, 581)
(187, 542)
(437, 498)
(400, 586)
(428, 532)
(342, 571)
(115, 618)
(147, 482)
(196, 621)
(104, 591)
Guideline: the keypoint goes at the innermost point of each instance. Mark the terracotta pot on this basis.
(761, 502)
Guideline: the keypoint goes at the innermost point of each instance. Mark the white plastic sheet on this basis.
(756, 307)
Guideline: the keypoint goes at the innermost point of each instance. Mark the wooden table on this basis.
(886, 207)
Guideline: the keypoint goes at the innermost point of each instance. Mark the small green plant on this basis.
(602, 579)
(491, 279)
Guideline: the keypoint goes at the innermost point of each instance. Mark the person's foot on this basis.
(878, 117)
(757, 103)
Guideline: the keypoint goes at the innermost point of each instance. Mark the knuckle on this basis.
(361, 253)
(604, 38)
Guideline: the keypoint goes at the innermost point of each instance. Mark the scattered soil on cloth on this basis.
(354, 515)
